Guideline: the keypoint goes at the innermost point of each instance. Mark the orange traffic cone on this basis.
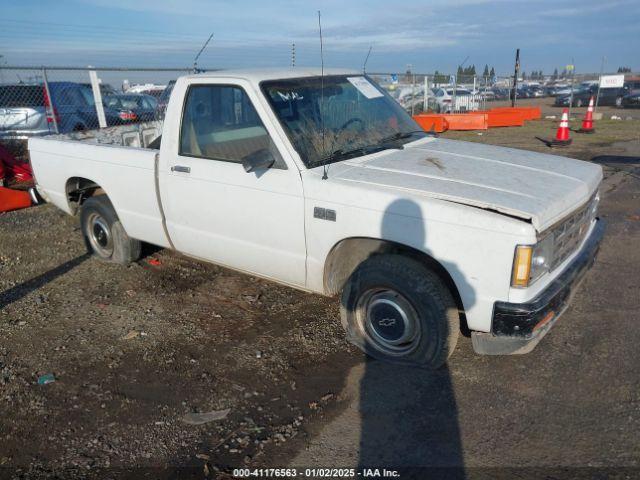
(587, 122)
(562, 135)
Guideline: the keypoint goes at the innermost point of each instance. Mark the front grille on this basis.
(570, 233)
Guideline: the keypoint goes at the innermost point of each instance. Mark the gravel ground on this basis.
(135, 351)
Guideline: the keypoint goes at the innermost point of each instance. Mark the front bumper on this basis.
(518, 327)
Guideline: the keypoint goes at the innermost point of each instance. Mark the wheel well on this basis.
(345, 257)
(78, 189)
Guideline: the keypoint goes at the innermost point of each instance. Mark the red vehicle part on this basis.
(19, 171)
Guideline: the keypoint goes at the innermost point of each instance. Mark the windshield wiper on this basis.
(399, 136)
(386, 143)
(341, 153)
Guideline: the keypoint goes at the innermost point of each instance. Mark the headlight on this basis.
(531, 262)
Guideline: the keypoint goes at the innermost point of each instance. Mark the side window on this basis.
(220, 123)
(87, 95)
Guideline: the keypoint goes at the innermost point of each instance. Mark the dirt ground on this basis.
(135, 351)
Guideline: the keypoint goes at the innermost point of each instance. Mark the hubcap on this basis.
(389, 321)
(99, 235)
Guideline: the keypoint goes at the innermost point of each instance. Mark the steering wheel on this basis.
(351, 121)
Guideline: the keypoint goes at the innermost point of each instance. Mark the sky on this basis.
(429, 35)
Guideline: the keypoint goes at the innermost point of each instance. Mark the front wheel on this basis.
(395, 309)
(103, 233)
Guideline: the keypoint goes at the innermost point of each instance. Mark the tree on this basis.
(492, 73)
(624, 70)
(524, 75)
(485, 72)
(555, 74)
(440, 78)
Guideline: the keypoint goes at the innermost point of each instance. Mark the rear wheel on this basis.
(397, 310)
(103, 233)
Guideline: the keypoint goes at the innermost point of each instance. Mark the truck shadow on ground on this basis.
(23, 289)
(409, 416)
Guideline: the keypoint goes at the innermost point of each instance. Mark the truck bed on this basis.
(114, 159)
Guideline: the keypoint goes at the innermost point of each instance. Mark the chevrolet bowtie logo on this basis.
(387, 322)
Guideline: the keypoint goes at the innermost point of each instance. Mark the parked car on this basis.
(411, 231)
(501, 93)
(607, 96)
(26, 110)
(535, 91)
(443, 100)
(630, 87)
(134, 107)
(630, 101)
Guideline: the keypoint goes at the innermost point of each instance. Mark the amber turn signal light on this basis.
(522, 266)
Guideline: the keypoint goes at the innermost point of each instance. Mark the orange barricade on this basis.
(431, 122)
(466, 121)
(500, 118)
(481, 120)
(528, 113)
(13, 199)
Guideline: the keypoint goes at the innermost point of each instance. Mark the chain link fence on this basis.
(36, 101)
(444, 93)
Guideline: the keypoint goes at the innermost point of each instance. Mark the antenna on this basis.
(195, 60)
(324, 174)
(364, 67)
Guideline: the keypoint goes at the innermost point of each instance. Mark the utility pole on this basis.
(195, 60)
(516, 72)
(571, 67)
(599, 80)
(293, 54)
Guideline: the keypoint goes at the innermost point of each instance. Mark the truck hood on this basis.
(536, 187)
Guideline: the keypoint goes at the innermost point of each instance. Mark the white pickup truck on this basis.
(326, 184)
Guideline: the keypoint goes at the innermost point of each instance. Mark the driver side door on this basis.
(214, 209)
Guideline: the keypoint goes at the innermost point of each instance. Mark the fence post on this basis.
(413, 92)
(97, 97)
(54, 120)
(425, 105)
(453, 97)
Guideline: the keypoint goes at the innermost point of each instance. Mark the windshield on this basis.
(349, 117)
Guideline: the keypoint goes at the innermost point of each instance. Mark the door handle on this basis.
(180, 168)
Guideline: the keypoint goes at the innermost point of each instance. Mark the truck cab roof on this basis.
(258, 75)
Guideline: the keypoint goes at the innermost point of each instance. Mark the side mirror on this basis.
(258, 160)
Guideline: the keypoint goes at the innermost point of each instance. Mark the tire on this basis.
(395, 309)
(103, 233)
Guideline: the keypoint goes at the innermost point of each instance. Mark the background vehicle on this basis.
(131, 107)
(630, 101)
(443, 100)
(607, 97)
(22, 111)
(26, 110)
(357, 202)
